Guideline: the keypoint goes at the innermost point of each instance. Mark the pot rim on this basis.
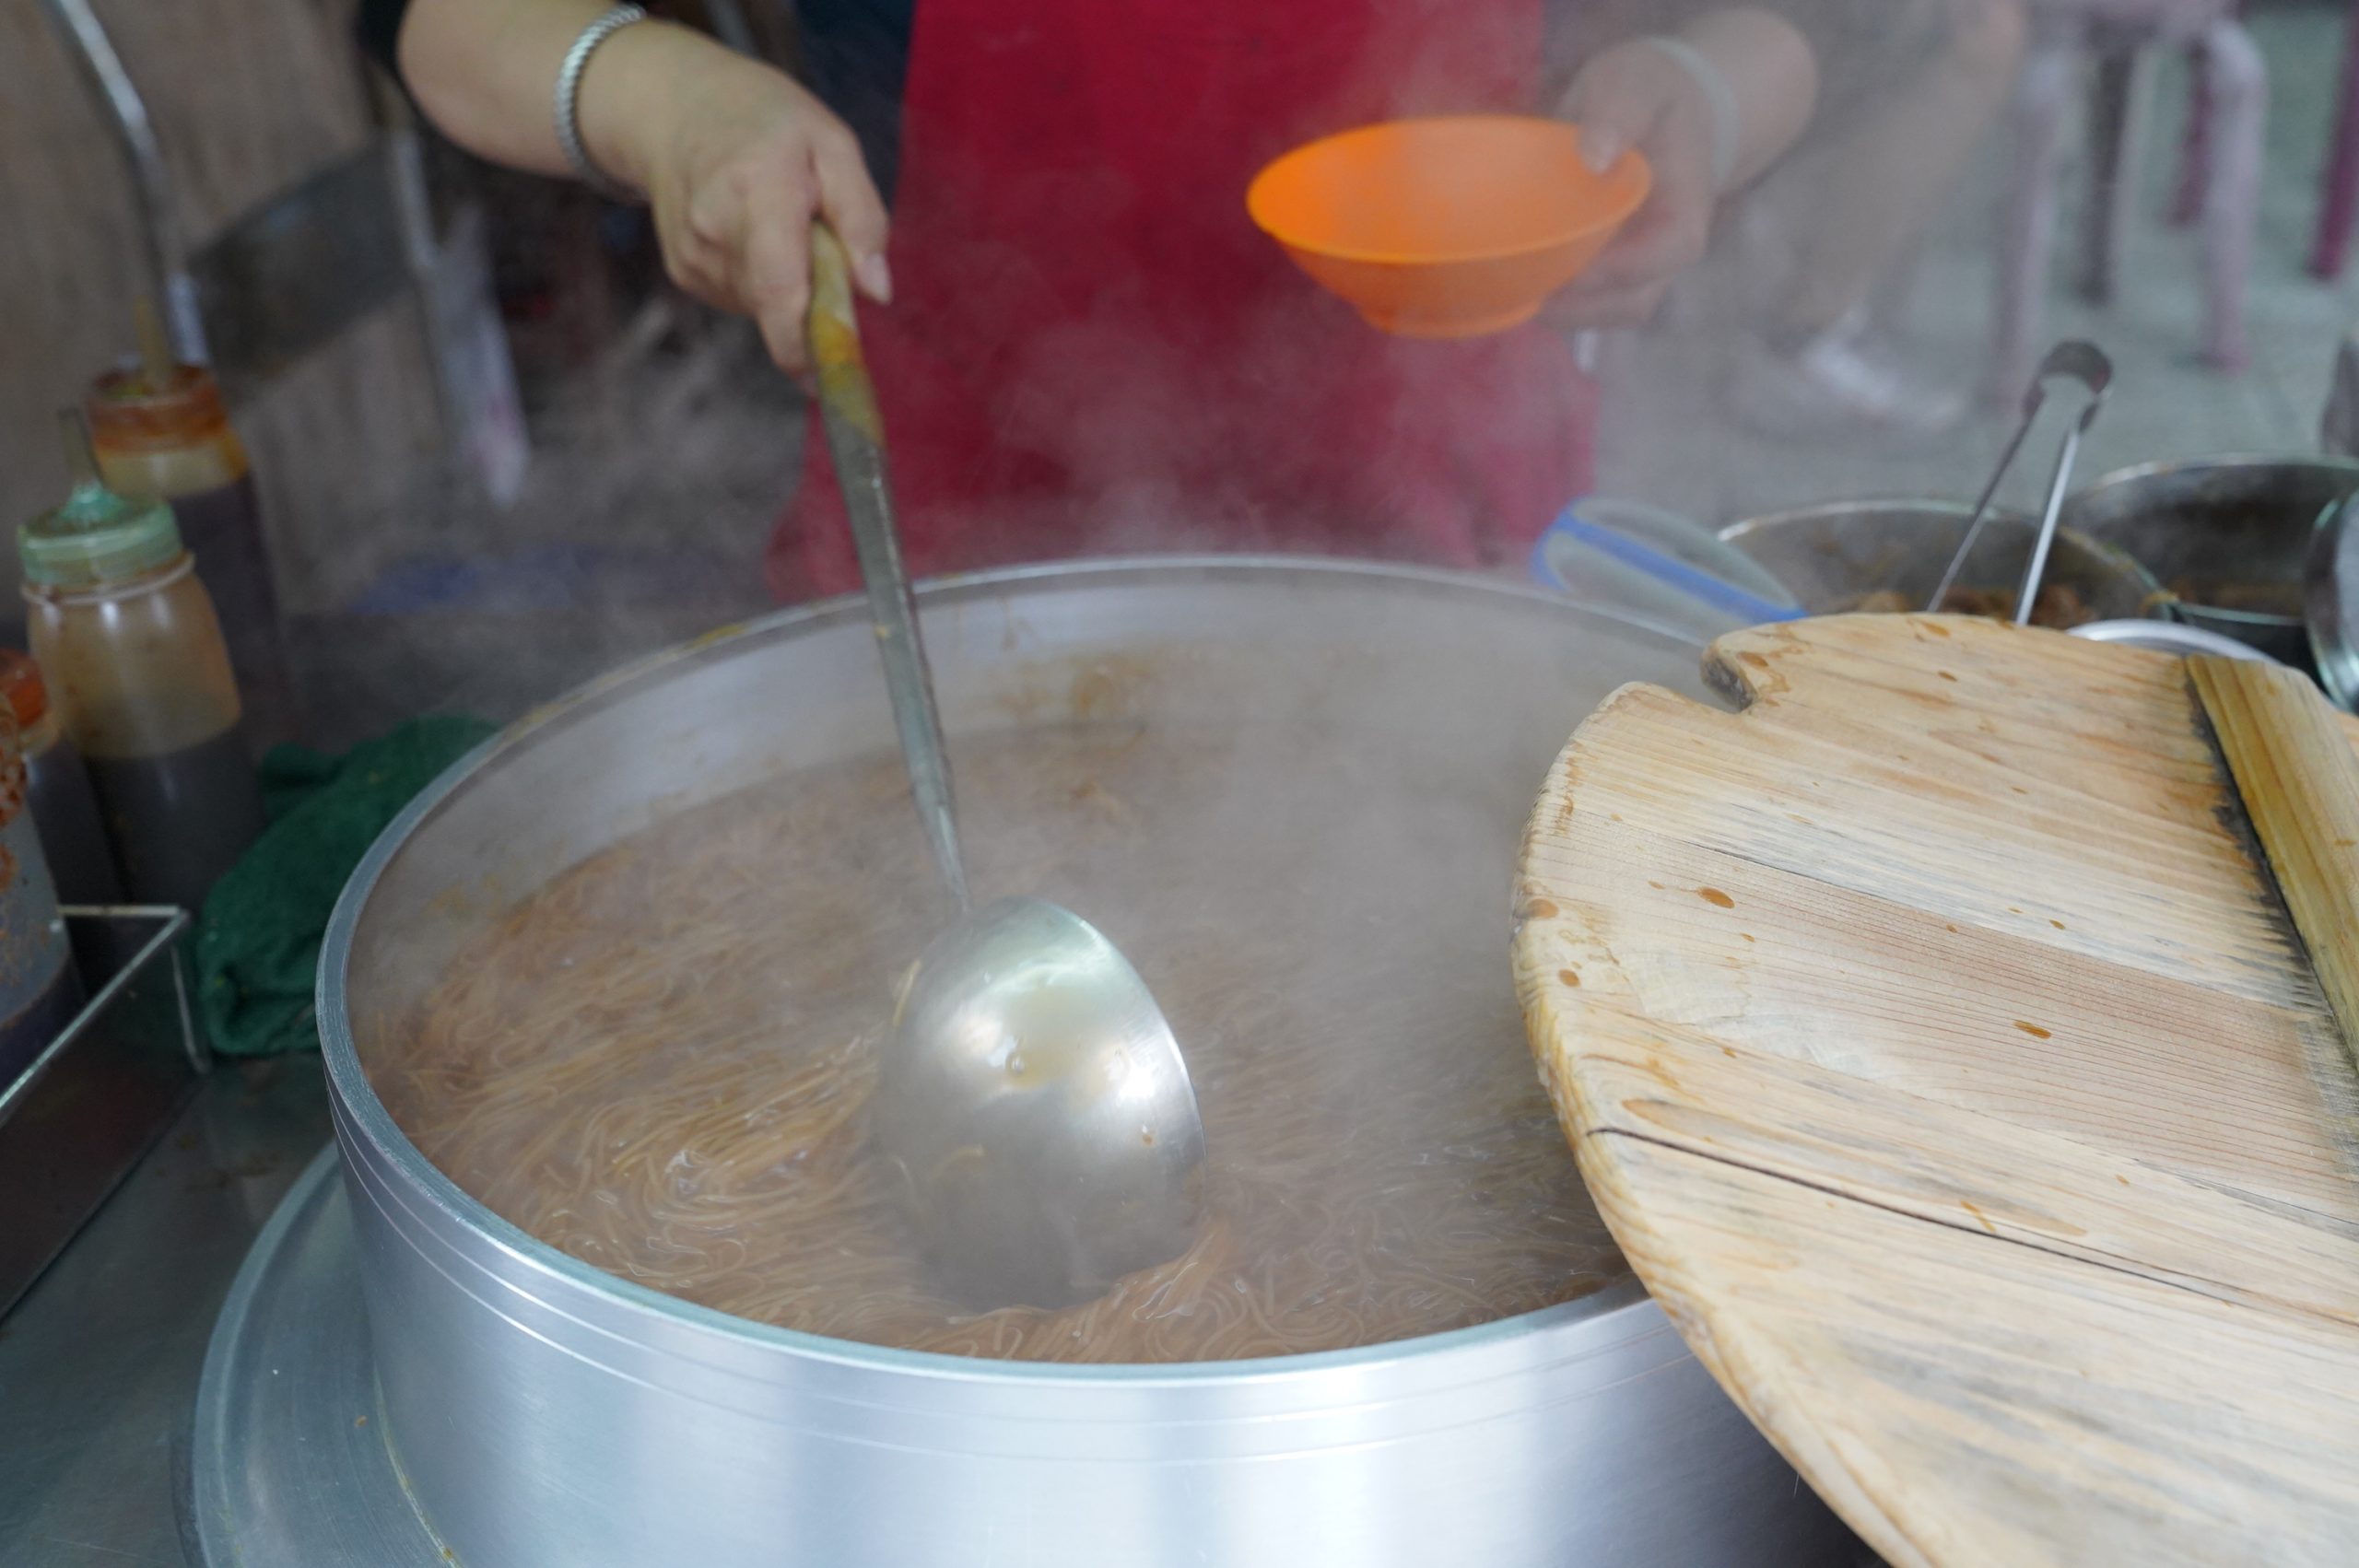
(1930, 507)
(2163, 467)
(2112, 555)
(360, 1114)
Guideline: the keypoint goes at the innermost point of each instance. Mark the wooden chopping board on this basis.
(1936, 1042)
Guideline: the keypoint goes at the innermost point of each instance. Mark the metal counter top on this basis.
(99, 1361)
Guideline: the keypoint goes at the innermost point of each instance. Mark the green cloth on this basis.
(258, 940)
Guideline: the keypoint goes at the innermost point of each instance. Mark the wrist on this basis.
(1717, 101)
(622, 99)
(1771, 70)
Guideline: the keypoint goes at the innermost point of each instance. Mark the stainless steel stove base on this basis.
(287, 1463)
(287, 1466)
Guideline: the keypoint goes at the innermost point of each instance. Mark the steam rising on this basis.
(657, 1062)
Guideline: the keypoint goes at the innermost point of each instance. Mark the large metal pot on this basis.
(544, 1413)
(2228, 536)
(1830, 557)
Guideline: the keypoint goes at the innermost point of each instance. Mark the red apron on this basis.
(1092, 351)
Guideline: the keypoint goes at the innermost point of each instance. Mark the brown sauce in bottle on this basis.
(180, 819)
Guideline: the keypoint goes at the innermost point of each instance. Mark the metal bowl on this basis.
(2227, 536)
(544, 1413)
(1830, 556)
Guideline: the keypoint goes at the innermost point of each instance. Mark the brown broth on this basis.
(2059, 607)
(658, 1063)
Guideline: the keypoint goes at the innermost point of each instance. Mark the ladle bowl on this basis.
(1034, 1098)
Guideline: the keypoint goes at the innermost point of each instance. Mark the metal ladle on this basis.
(1030, 1090)
(2069, 360)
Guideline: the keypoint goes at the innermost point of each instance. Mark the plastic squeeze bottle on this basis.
(131, 649)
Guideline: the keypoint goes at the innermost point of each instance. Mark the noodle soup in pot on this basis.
(597, 1015)
(659, 1061)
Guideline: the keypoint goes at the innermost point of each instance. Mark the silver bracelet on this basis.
(1728, 119)
(569, 100)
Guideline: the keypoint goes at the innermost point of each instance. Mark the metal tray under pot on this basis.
(1830, 557)
(544, 1413)
(2227, 536)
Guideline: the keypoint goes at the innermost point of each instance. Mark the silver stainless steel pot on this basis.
(2227, 535)
(1832, 555)
(544, 1413)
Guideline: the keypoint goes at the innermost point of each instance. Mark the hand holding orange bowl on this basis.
(1447, 228)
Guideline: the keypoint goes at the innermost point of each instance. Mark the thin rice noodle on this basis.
(658, 1063)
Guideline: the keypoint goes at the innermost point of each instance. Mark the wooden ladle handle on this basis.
(833, 331)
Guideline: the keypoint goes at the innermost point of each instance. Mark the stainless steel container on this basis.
(1829, 557)
(544, 1413)
(2228, 536)
(39, 991)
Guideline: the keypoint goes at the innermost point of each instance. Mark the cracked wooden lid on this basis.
(1937, 1042)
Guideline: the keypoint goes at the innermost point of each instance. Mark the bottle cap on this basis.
(21, 687)
(130, 409)
(96, 536)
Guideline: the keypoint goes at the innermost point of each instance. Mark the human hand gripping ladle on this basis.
(1030, 1090)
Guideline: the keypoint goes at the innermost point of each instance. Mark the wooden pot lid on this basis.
(1936, 1042)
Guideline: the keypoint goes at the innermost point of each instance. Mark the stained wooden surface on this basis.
(1941, 1050)
(2296, 779)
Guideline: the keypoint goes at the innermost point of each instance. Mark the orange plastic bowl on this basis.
(1446, 228)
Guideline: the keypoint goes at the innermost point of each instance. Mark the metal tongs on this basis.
(2072, 360)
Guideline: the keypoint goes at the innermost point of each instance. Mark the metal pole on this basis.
(126, 115)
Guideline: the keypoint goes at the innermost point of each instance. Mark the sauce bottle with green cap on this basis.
(131, 649)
